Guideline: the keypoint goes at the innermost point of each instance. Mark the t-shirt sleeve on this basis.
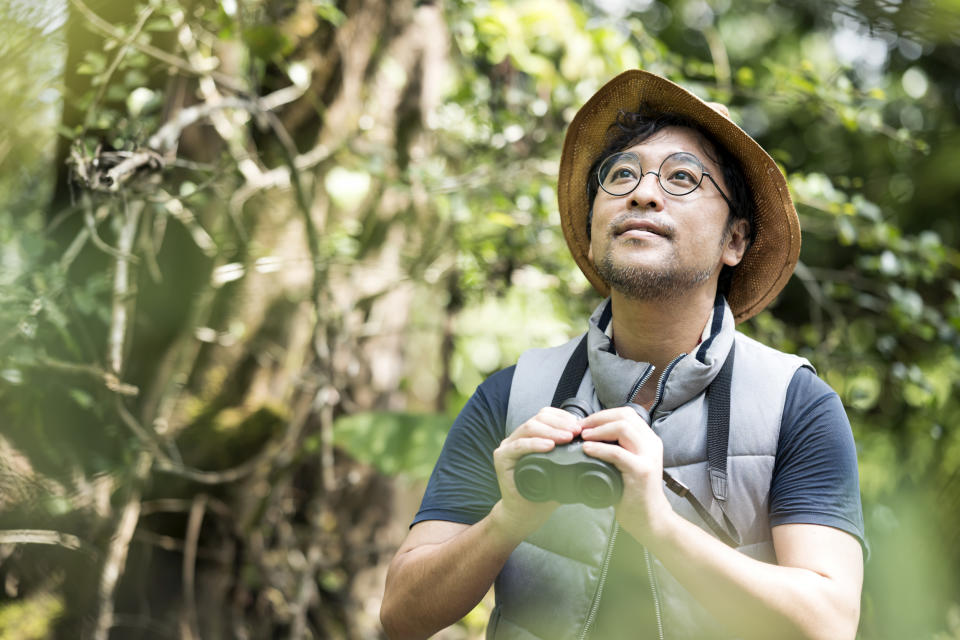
(815, 477)
(463, 486)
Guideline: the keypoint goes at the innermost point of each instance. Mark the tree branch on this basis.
(119, 546)
(121, 286)
(116, 560)
(169, 505)
(279, 450)
(820, 301)
(189, 626)
(108, 29)
(40, 536)
(721, 62)
(90, 224)
(108, 378)
(167, 136)
(307, 591)
(121, 52)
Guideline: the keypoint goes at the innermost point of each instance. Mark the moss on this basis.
(30, 618)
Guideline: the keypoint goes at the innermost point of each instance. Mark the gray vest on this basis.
(550, 587)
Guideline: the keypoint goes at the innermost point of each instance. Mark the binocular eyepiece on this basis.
(568, 475)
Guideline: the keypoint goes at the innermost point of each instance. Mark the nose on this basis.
(647, 194)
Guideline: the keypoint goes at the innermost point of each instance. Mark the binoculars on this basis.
(568, 475)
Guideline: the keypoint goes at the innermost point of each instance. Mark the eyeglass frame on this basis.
(657, 173)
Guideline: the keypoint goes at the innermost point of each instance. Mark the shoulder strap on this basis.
(572, 375)
(718, 428)
(718, 439)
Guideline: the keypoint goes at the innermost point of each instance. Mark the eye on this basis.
(681, 173)
(682, 178)
(623, 173)
(620, 173)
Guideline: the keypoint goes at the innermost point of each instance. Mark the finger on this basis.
(510, 450)
(538, 430)
(535, 427)
(611, 415)
(638, 467)
(629, 433)
(558, 418)
(612, 453)
(508, 454)
(624, 433)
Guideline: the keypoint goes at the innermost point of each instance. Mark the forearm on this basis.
(443, 569)
(753, 598)
(432, 586)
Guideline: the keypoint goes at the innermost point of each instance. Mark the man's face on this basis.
(649, 244)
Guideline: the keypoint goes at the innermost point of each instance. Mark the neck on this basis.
(657, 331)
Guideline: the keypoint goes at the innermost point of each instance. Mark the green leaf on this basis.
(266, 42)
(394, 442)
(161, 23)
(93, 63)
(502, 219)
(328, 11)
(82, 398)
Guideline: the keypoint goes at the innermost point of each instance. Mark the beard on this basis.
(637, 282)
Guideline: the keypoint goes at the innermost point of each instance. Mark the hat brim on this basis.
(770, 261)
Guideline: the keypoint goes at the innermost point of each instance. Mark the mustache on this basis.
(630, 220)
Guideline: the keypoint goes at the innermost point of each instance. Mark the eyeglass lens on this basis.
(680, 173)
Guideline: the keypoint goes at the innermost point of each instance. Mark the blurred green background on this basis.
(257, 253)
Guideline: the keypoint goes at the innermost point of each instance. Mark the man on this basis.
(687, 224)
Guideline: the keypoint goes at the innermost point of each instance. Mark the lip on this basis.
(638, 233)
(637, 228)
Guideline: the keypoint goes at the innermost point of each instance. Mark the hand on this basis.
(517, 516)
(619, 436)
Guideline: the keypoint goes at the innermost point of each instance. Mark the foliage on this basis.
(392, 442)
(362, 225)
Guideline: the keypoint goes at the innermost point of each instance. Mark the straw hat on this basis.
(768, 264)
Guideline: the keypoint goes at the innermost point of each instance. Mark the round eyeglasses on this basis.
(680, 174)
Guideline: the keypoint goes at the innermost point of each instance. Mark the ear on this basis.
(735, 241)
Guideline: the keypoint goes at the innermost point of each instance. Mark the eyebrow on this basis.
(706, 149)
(699, 157)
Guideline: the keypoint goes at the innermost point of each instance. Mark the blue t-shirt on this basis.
(815, 481)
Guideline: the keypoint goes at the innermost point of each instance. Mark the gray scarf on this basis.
(617, 379)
